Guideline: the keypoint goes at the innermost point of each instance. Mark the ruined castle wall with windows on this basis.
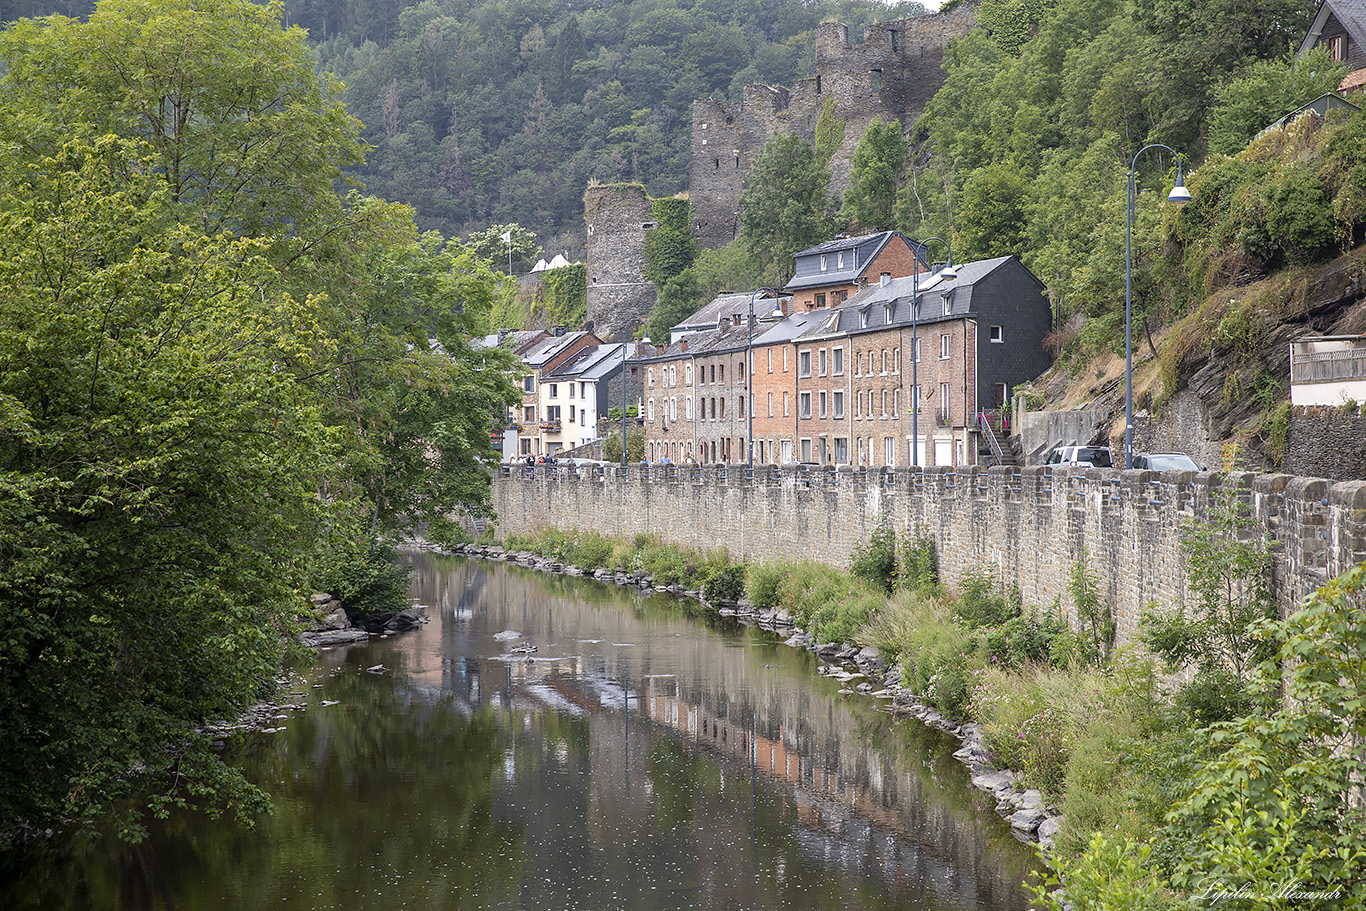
(892, 74)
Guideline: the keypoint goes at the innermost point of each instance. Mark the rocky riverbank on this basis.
(862, 670)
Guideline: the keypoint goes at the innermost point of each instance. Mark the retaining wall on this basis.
(1028, 526)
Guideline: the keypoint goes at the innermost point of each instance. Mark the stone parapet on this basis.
(1026, 526)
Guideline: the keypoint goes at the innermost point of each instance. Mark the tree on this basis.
(490, 246)
(159, 476)
(991, 220)
(829, 133)
(670, 246)
(879, 162)
(786, 207)
(1269, 89)
(247, 137)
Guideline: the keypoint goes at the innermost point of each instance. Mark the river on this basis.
(636, 759)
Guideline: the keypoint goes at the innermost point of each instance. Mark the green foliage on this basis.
(670, 246)
(1113, 874)
(785, 207)
(1094, 615)
(1269, 88)
(725, 584)
(444, 532)
(991, 221)
(1011, 23)
(919, 568)
(878, 164)
(635, 442)
(366, 579)
(490, 246)
(981, 602)
(1230, 577)
(829, 133)
(565, 295)
(763, 584)
(875, 561)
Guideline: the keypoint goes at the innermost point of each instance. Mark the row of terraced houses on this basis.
(834, 366)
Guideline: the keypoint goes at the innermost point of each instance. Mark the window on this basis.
(917, 349)
(825, 264)
(552, 414)
(529, 414)
(896, 360)
(742, 371)
(651, 374)
(770, 360)
(915, 398)
(875, 81)
(944, 402)
(713, 373)
(887, 314)
(786, 448)
(770, 404)
(820, 300)
(944, 347)
(999, 393)
(1336, 47)
(838, 404)
(571, 411)
(529, 383)
(723, 373)
(554, 390)
(884, 403)
(571, 390)
(889, 451)
(858, 364)
(650, 411)
(806, 450)
(673, 375)
(583, 390)
(821, 361)
(948, 305)
(858, 403)
(804, 402)
(884, 361)
(723, 406)
(996, 335)
(804, 363)
(822, 403)
(784, 360)
(687, 374)
(784, 404)
(841, 450)
(863, 318)
(687, 407)
(860, 450)
(896, 402)
(840, 262)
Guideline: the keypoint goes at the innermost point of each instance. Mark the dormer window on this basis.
(863, 318)
(887, 313)
(841, 259)
(948, 305)
(825, 262)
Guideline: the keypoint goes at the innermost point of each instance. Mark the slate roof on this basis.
(1352, 15)
(726, 306)
(592, 363)
(865, 249)
(547, 348)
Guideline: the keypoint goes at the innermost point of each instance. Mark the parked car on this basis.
(1080, 457)
(1165, 461)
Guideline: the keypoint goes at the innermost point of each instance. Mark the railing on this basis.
(552, 426)
(984, 422)
(1326, 366)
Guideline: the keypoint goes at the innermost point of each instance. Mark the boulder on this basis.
(325, 638)
(1027, 821)
(336, 619)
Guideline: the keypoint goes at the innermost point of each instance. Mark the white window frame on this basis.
(997, 335)
(837, 404)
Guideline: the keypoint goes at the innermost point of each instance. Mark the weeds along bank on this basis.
(1029, 527)
(1220, 785)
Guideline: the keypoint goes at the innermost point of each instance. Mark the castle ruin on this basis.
(617, 216)
(892, 74)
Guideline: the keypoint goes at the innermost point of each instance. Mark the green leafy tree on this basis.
(879, 162)
(491, 245)
(159, 489)
(786, 207)
(1269, 89)
(991, 221)
(669, 246)
(829, 133)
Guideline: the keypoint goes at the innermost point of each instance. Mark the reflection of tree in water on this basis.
(364, 798)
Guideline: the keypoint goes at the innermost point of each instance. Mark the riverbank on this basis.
(861, 669)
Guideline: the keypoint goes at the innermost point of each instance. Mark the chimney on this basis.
(683, 345)
(886, 278)
(502, 334)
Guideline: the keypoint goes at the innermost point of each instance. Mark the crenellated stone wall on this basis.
(1028, 526)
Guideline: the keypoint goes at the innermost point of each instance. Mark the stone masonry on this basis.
(891, 74)
(617, 217)
(1027, 527)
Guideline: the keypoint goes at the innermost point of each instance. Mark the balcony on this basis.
(550, 426)
(1327, 371)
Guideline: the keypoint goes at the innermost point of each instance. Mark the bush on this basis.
(763, 584)
(919, 568)
(365, 581)
(726, 583)
(875, 562)
(981, 604)
(444, 533)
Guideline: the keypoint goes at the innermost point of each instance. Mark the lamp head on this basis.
(948, 273)
(777, 310)
(1179, 195)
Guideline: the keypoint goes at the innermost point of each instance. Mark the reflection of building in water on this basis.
(866, 793)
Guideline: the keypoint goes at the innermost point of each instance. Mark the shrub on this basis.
(875, 561)
(365, 581)
(981, 604)
(763, 584)
(726, 583)
(444, 533)
(919, 568)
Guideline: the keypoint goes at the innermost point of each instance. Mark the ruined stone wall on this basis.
(891, 74)
(617, 217)
(1028, 527)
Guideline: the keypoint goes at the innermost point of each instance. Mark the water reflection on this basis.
(635, 760)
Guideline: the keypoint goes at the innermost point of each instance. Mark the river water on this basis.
(636, 759)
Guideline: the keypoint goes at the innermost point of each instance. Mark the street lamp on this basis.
(644, 340)
(948, 274)
(1179, 196)
(749, 364)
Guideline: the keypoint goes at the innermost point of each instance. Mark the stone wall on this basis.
(1326, 442)
(617, 217)
(1028, 527)
(891, 74)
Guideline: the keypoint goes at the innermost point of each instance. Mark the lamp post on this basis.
(644, 340)
(948, 274)
(749, 365)
(1179, 196)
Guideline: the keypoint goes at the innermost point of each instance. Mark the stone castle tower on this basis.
(617, 217)
(891, 74)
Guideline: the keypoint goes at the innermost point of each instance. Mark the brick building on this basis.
(828, 274)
